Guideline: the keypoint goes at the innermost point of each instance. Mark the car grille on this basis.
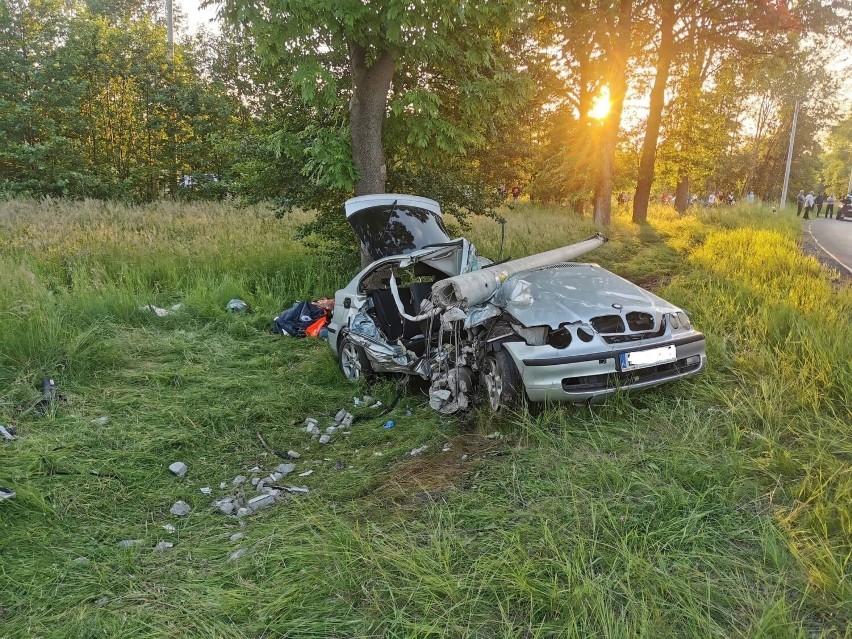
(627, 379)
(640, 321)
(635, 337)
(608, 324)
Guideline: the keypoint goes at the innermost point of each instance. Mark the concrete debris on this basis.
(243, 512)
(180, 509)
(285, 469)
(225, 506)
(237, 554)
(129, 543)
(347, 421)
(260, 502)
(307, 473)
(341, 414)
(169, 528)
(159, 312)
(310, 421)
(261, 484)
(255, 481)
(495, 435)
(274, 477)
(7, 432)
(447, 448)
(312, 430)
(331, 430)
(269, 490)
(206, 490)
(237, 536)
(378, 453)
(163, 546)
(325, 439)
(301, 490)
(239, 480)
(292, 454)
(377, 404)
(464, 457)
(101, 421)
(419, 450)
(237, 306)
(178, 468)
(222, 485)
(437, 398)
(82, 560)
(256, 469)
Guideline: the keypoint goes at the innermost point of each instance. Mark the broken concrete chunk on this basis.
(419, 450)
(341, 414)
(237, 554)
(7, 433)
(129, 543)
(260, 502)
(447, 448)
(292, 454)
(225, 506)
(312, 430)
(464, 457)
(347, 420)
(206, 490)
(243, 512)
(307, 473)
(310, 421)
(237, 536)
(495, 435)
(222, 485)
(168, 528)
(285, 469)
(331, 430)
(298, 489)
(163, 546)
(180, 509)
(101, 421)
(256, 469)
(239, 480)
(325, 439)
(178, 468)
(255, 481)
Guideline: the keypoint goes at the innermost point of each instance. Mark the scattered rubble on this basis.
(180, 509)
(169, 528)
(447, 447)
(222, 485)
(178, 468)
(292, 454)
(261, 501)
(307, 473)
(237, 536)
(159, 312)
(255, 481)
(325, 439)
(101, 421)
(312, 430)
(419, 450)
(237, 306)
(285, 469)
(163, 546)
(8, 432)
(225, 506)
(239, 480)
(129, 543)
(206, 490)
(302, 490)
(242, 512)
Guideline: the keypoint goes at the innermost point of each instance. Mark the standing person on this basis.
(516, 193)
(829, 206)
(809, 205)
(711, 199)
(800, 200)
(750, 197)
(819, 200)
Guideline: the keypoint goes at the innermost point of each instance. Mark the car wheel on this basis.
(501, 385)
(353, 361)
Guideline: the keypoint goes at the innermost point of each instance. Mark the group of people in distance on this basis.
(809, 202)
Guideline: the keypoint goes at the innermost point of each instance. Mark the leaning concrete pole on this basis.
(789, 157)
(170, 31)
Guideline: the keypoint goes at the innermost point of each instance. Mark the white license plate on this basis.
(645, 359)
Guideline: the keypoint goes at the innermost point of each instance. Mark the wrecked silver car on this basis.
(541, 326)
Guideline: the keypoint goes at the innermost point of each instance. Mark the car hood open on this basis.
(570, 293)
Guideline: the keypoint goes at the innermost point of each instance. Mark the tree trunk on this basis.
(682, 193)
(620, 36)
(655, 114)
(367, 110)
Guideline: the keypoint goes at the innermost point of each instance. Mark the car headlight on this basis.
(684, 320)
(674, 321)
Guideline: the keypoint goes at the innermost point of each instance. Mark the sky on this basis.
(196, 17)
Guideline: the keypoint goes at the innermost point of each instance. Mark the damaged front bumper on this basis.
(555, 375)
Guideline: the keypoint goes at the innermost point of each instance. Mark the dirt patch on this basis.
(430, 476)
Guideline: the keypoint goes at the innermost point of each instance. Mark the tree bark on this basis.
(367, 111)
(609, 131)
(655, 114)
(682, 193)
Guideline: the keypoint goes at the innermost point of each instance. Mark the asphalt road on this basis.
(834, 238)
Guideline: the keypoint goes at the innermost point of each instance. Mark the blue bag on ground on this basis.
(295, 320)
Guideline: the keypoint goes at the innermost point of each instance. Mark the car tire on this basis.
(353, 361)
(500, 382)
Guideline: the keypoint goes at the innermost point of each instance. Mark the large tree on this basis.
(354, 50)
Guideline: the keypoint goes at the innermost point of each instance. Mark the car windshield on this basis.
(397, 229)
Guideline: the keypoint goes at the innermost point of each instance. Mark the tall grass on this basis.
(716, 507)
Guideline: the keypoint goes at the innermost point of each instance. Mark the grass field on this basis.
(716, 507)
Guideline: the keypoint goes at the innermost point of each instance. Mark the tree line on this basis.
(306, 103)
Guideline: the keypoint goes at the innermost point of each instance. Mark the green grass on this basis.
(716, 507)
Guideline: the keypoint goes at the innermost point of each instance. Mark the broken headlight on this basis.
(684, 320)
(673, 320)
(560, 338)
(536, 336)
